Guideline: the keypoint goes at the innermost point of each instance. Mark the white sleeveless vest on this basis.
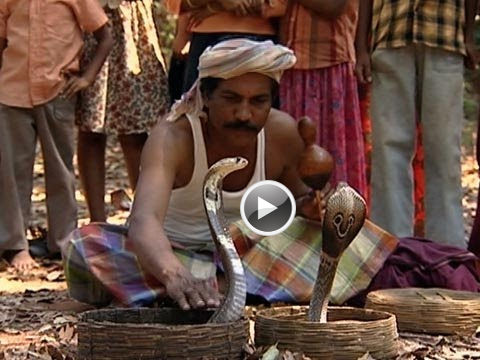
(186, 222)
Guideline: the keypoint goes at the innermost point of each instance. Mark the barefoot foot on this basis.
(21, 260)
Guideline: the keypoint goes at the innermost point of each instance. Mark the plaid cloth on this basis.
(100, 266)
(438, 24)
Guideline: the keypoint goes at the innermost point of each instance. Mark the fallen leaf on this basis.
(56, 275)
(271, 354)
(54, 352)
(66, 333)
(366, 356)
(44, 328)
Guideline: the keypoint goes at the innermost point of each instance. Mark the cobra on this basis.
(345, 214)
(233, 305)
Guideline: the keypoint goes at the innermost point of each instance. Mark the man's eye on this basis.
(260, 101)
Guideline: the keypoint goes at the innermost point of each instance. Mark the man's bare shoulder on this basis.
(169, 135)
(171, 140)
(282, 126)
(176, 130)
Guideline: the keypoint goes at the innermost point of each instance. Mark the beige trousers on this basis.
(409, 84)
(53, 124)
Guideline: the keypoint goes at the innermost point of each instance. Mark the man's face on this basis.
(239, 107)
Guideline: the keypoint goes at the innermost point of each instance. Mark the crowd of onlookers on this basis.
(93, 68)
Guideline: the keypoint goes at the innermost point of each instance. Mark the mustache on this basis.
(242, 125)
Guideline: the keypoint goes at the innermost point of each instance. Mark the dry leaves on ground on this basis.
(38, 320)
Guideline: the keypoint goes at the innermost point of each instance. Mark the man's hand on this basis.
(189, 292)
(363, 67)
(74, 84)
(312, 205)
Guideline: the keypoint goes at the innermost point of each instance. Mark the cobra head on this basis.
(345, 214)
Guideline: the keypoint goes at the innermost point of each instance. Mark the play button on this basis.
(267, 207)
(264, 208)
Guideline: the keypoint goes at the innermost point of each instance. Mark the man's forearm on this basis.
(153, 248)
(364, 25)
(325, 8)
(3, 44)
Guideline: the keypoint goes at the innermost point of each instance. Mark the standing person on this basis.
(415, 62)
(39, 78)
(322, 85)
(129, 95)
(211, 21)
(178, 61)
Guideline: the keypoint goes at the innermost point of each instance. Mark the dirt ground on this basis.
(38, 320)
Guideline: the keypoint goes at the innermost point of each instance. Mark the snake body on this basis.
(233, 305)
(345, 214)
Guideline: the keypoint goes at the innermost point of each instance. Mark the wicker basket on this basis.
(432, 311)
(348, 334)
(158, 334)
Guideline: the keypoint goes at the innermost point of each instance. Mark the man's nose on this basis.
(243, 113)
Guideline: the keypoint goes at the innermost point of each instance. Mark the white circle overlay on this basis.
(279, 185)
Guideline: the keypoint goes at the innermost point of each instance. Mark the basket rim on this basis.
(266, 313)
(421, 296)
(90, 322)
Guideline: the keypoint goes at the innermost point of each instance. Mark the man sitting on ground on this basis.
(167, 248)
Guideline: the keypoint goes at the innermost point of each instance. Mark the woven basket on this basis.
(158, 334)
(348, 334)
(432, 311)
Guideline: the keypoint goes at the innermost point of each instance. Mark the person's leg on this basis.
(442, 117)
(100, 266)
(337, 116)
(17, 150)
(132, 145)
(56, 130)
(393, 139)
(91, 168)
(474, 241)
(198, 43)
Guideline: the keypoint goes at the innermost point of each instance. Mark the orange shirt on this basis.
(44, 40)
(228, 22)
(316, 41)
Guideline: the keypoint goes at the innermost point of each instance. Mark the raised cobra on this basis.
(233, 305)
(344, 217)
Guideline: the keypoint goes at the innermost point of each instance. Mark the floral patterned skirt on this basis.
(329, 96)
(130, 93)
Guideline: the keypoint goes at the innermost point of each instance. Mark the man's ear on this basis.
(205, 99)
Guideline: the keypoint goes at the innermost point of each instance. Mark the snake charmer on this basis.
(166, 250)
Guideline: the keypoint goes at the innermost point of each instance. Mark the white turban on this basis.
(232, 58)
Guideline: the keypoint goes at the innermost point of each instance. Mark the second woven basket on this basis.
(349, 334)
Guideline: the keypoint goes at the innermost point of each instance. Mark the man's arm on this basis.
(362, 48)
(104, 45)
(159, 168)
(329, 9)
(3, 44)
